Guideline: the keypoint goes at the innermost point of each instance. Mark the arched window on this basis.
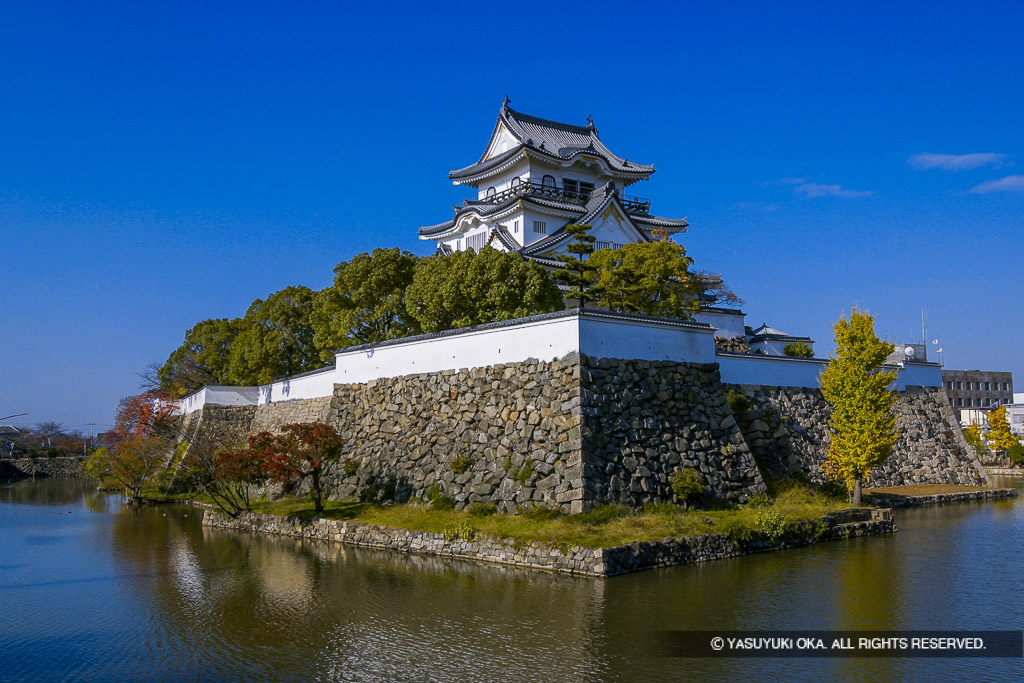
(548, 184)
(490, 191)
(515, 181)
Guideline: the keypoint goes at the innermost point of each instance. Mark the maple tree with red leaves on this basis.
(141, 416)
(305, 449)
(236, 473)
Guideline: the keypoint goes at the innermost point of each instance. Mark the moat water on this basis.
(93, 590)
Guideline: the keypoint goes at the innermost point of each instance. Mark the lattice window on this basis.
(540, 227)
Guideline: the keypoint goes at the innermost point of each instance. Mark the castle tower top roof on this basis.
(547, 140)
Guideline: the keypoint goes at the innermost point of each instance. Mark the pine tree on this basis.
(863, 424)
(575, 272)
(1000, 438)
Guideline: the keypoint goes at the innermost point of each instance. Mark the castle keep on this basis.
(578, 408)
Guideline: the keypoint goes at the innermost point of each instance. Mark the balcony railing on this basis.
(535, 189)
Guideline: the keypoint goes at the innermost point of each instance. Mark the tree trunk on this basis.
(317, 503)
(856, 492)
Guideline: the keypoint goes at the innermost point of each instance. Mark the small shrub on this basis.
(738, 531)
(507, 464)
(389, 490)
(738, 402)
(523, 474)
(462, 463)
(438, 500)
(771, 524)
(52, 452)
(1016, 454)
(759, 500)
(462, 530)
(482, 509)
(686, 484)
(798, 350)
(350, 467)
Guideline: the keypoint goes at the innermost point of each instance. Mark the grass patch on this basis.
(602, 527)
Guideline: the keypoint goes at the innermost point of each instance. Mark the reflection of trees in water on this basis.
(45, 491)
(252, 602)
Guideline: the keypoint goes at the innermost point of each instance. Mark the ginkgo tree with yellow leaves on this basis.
(863, 423)
(1000, 438)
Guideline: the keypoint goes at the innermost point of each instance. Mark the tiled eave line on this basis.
(583, 313)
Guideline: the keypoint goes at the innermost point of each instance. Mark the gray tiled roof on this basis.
(559, 140)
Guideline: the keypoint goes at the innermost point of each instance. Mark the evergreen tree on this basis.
(366, 303)
(651, 278)
(470, 288)
(276, 338)
(1000, 438)
(863, 424)
(575, 272)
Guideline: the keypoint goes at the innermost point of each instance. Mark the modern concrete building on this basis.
(977, 389)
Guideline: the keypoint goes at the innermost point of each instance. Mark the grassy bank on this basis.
(606, 526)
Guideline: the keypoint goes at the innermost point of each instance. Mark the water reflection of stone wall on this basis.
(787, 431)
(41, 468)
(570, 560)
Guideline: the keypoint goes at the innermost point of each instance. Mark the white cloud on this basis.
(1011, 183)
(791, 181)
(955, 162)
(816, 190)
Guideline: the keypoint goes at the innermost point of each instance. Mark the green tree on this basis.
(651, 278)
(863, 424)
(366, 303)
(276, 338)
(203, 358)
(575, 272)
(1000, 438)
(470, 288)
(798, 350)
(133, 463)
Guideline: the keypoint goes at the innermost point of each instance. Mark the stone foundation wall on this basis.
(644, 420)
(507, 434)
(787, 431)
(41, 468)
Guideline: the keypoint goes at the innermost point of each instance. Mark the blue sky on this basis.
(163, 163)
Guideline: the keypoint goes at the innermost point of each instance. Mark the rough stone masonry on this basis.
(577, 432)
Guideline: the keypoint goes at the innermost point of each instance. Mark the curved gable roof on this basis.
(562, 141)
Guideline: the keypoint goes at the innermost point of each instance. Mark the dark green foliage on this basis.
(1016, 454)
(203, 358)
(798, 350)
(276, 338)
(759, 500)
(523, 474)
(366, 303)
(482, 509)
(738, 402)
(575, 272)
(350, 467)
(462, 463)
(686, 484)
(469, 288)
(438, 500)
(650, 278)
